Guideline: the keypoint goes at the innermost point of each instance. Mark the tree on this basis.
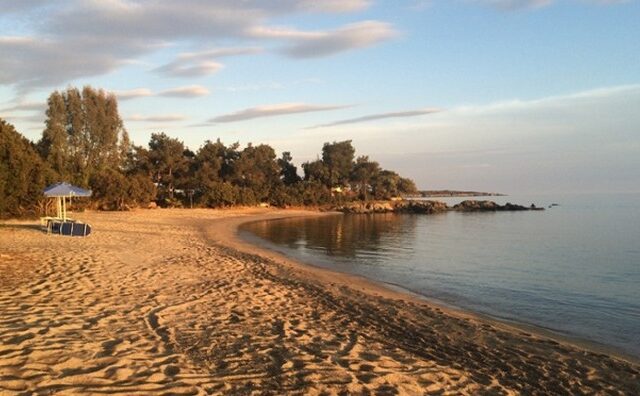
(84, 142)
(103, 129)
(407, 186)
(209, 160)
(386, 184)
(315, 171)
(83, 135)
(23, 174)
(135, 189)
(288, 171)
(54, 145)
(338, 158)
(364, 171)
(257, 170)
(167, 162)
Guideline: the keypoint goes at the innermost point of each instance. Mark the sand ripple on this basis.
(151, 304)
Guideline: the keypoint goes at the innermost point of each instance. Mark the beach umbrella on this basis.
(61, 191)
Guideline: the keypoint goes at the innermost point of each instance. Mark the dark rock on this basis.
(427, 207)
(490, 206)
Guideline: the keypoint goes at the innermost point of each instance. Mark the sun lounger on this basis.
(68, 228)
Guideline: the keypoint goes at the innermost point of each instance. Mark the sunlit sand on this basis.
(171, 302)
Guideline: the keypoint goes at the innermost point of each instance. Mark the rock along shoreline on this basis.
(428, 207)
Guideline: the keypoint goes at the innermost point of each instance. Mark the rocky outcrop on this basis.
(427, 207)
(423, 207)
(490, 206)
(366, 207)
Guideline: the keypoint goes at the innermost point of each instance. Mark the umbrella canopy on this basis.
(60, 191)
(65, 190)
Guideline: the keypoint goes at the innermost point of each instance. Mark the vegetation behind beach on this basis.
(85, 143)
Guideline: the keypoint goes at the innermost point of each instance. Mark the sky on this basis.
(511, 96)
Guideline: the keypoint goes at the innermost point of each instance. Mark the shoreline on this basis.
(172, 301)
(254, 244)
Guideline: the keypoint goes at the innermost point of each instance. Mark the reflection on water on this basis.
(345, 236)
(573, 269)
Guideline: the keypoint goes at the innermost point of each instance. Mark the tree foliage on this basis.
(84, 142)
(338, 160)
(23, 174)
(83, 135)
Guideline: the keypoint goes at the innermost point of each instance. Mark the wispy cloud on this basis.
(27, 106)
(272, 111)
(514, 4)
(381, 116)
(202, 63)
(334, 5)
(190, 91)
(156, 118)
(110, 34)
(133, 93)
(591, 96)
(532, 4)
(304, 44)
(197, 69)
(29, 119)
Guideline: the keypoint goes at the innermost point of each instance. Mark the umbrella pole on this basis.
(58, 208)
(64, 209)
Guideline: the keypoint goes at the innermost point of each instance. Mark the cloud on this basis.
(37, 62)
(133, 93)
(29, 119)
(190, 91)
(72, 39)
(202, 63)
(157, 118)
(303, 44)
(218, 53)
(381, 116)
(558, 102)
(334, 5)
(28, 106)
(272, 111)
(580, 141)
(198, 69)
(11, 6)
(515, 4)
(523, 4)
(57, 42)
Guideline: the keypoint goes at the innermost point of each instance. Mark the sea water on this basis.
(573, 269)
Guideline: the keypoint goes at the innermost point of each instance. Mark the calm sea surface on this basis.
(573, 269)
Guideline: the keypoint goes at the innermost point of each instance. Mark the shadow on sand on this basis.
(33, 227)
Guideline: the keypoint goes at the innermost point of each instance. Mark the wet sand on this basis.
(172, 302)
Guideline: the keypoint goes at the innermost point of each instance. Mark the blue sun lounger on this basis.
(61, 224)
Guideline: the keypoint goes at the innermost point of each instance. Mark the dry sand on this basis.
(171, 302)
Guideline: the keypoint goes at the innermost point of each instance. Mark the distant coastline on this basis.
(456, 193)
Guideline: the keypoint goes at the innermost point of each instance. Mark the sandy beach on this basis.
(172, 302)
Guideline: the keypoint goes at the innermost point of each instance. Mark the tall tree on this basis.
(103, 129)
(54, 145)
(338, 158)
(79, 141)
(84, 134)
